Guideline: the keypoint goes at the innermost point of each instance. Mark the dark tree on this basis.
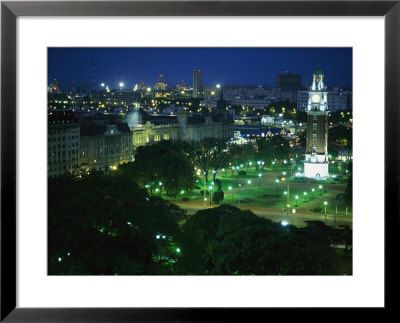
(281, 147)
(265, 151)
(164, 162)
(228, 241)
(210, 154)
(106, 225)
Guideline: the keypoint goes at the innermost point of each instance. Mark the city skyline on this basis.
(226, 66)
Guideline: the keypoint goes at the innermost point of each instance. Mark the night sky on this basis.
(227, 66)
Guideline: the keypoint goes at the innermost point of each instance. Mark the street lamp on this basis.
(325, 203)
(277, 181)
(259, 179)
(296, 197)
(305, 196)
(230, 188)
(313, 190)
(320, 189)
(285, 197)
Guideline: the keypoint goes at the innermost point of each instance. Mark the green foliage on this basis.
(281, 147)
(164, 162)
(348, 192)
(228, 241)
(210, 154)
(240, 154)
(340, 137)
(265, 151)
(303, 139)
(105, 225)
(108, 225)
(218, 196)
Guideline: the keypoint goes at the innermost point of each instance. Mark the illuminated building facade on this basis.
(63, 142)
(105, 144)
(182, 126)
(316, 162)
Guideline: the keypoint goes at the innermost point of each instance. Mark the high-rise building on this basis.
(197, 84)
(288, 82)
(316, 161)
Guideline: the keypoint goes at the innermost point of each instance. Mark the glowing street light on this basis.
(121, 85)
(325, 204)
(305, 196)
(277, 182)
(296, 197)
(230, 188)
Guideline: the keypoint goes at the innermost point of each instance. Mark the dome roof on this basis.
(133, 118)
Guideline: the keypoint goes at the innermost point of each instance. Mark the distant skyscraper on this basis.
(197, 84)
(288, 81)
(316, 161)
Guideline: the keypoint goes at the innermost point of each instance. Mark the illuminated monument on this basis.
(316, 161)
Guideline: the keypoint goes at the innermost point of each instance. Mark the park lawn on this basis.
(258, 194)
(251, 194)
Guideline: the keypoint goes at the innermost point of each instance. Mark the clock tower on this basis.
(316, 161)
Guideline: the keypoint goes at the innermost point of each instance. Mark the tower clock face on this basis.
(315, 98)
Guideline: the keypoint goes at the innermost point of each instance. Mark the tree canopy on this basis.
(165, 162)
(228, 241)
(106, 225)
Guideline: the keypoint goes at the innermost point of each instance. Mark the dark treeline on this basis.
(107, 225)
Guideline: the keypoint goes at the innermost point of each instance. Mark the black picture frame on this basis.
(10, 10)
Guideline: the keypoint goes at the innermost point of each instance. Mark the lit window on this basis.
(314, 136)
